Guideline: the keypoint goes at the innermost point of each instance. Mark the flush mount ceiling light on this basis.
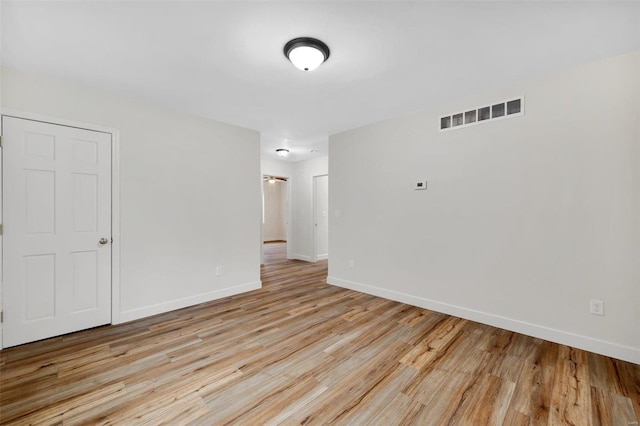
(306, 53)
(282, 152)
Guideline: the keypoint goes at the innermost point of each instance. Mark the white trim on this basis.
(115, 227)
(289, 216)
(300, 257)
(322, 257)
(262, 221)
(1, 221)
(626, 353)
(59, 121)
(115, 196)
(172, 305)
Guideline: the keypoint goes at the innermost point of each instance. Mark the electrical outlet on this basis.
(218, 271)
(596, 307)
(351, 264)
(420, 185)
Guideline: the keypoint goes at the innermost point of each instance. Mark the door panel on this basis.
(57, 206)
(85, 281)
(40, 201)
(40, 279)
(85, 202)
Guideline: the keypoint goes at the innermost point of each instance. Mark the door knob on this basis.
(103, 241)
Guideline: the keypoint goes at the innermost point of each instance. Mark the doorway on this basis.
(321, 217)
(275, 211)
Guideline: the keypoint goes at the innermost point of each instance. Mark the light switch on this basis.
(420, 185)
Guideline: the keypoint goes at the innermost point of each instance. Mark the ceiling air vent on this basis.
(496, 111)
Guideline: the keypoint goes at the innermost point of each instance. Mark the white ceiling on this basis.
(224, 60)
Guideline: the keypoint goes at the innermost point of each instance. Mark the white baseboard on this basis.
(172, 305)
(301, 257)
(626, 353)
(323, 256)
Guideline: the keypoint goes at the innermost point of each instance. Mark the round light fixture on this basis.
(306, 53)
(282, 152)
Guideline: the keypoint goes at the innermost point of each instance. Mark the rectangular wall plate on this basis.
(596, 307)
(421, 184)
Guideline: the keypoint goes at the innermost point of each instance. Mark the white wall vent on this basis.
(483, 114)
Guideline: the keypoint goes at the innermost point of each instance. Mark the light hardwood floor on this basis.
(300, 351)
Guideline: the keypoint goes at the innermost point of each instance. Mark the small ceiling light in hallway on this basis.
(282, 152)
(306, 53)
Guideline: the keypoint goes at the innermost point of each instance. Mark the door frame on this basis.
(115, 198)
(314, 257)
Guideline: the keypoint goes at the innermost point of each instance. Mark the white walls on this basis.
(524, 219)
(276, 167)
(190, 194)
(275, 197)
(302, 200)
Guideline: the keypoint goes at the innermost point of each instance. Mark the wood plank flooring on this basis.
(300, 351)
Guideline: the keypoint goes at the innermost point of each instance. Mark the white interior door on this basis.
(321, 214)
(57, 230)
(287, 218)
